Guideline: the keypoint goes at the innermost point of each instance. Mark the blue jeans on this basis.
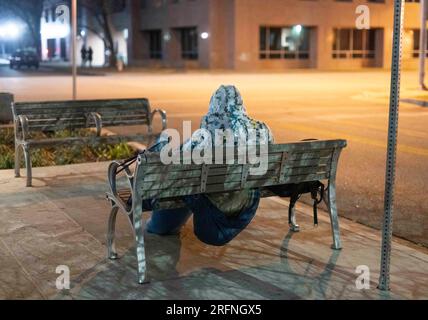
(211, 226)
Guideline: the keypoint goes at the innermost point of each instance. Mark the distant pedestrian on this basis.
(90, 56)
(84, 55)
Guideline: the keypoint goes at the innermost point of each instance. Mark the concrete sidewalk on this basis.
(63, 219)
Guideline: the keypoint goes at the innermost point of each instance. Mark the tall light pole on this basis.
(394, 103)
(423, 44)
(74, 46)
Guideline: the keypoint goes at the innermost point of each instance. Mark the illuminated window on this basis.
(284, 42)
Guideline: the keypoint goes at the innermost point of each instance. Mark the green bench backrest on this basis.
(55, 115)
(288, 163)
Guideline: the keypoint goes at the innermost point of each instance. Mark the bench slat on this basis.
(173, 182)
(92, 140)
(235, 170)
(225, 187)
(83, 104)
(174, 203)
(163, 169)
(154, 158)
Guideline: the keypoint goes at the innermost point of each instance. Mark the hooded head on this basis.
(227, 112)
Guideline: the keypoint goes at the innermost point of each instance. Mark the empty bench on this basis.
(151, 179)
(35, 117)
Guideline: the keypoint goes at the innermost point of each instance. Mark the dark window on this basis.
(155, 44)
(416, 43)
(189, 43)
(63, 46)
(357, 43)
(51, 48)
(345, 39)
(53, 14)
(284, 42)
(354, 43)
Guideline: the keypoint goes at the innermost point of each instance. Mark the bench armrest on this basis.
(21, 128)
(97, 120)
(112, 178)
(163, 116)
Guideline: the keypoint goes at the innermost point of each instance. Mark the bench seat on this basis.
(34, 117)
(291, 163)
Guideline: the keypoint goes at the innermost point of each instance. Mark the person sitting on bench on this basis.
(217, 218)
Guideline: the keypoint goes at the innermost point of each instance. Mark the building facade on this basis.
(55, 32)
(267, 34)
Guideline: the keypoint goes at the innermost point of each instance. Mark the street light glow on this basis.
(298, 29)
(10, 31)
(205, 35)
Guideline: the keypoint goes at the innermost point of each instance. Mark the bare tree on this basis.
(30, 12)
(99, 13)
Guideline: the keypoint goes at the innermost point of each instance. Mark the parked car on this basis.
(26, 58)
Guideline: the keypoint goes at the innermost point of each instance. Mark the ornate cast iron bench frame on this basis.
(59, 115)
(288, 163)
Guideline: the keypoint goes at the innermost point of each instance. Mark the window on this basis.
(53, 14)
(189, 43)
(155, 44)
(354, 44)
(416, 44)
(284, 42)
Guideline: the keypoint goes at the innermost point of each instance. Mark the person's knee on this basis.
(168, 222)
(212, 236)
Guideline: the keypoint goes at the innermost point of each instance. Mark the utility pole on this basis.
(423, 44)
(74, 46)
(394, 103)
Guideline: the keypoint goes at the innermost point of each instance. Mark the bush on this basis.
(61, 155)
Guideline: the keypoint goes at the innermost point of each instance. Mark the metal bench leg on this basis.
(17, 161)
(139, 237)
(112, 254)
(28, 165)
(292, 216)
(330, 200)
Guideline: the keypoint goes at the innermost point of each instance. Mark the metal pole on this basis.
(423, 44)
(392, 145)
(74, 46)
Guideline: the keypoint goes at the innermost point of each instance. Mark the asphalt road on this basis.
(45, 70)
(296, 105)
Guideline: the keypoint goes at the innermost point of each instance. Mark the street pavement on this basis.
(62, 221)
(296, 105)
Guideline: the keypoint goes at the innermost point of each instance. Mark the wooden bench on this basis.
(151, 179)
(34, 117)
